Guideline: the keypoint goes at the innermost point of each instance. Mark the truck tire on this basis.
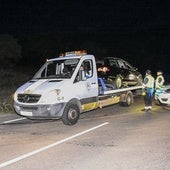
(71, 114)
(127, 99)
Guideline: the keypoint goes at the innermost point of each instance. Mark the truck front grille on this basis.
(28, 98)
(24, 108)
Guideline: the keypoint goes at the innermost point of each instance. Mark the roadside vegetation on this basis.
(10, 80)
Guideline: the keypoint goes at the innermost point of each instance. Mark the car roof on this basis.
(115, 58)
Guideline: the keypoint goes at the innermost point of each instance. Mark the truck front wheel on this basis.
(71, 114)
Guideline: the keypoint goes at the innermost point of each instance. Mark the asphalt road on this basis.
(112, 138)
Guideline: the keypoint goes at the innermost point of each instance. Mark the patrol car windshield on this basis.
(57, 69)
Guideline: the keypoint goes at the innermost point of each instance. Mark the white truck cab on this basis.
(63, 88)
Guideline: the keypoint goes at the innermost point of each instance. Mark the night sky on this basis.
(43, 16)
(128, 28)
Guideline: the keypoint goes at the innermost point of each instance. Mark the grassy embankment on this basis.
(10, 80)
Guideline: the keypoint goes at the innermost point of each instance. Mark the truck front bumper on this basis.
(40, 111)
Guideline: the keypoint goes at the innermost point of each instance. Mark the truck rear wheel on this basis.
(127, 99)
(71, 114)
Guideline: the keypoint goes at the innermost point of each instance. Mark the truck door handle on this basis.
(93, 83)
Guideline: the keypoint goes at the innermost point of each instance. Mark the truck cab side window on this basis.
(88, 68)
(85, 71)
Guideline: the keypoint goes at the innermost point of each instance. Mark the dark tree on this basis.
(10, 50)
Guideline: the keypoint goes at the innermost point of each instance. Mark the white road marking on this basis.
(14, 120)
(49, 146)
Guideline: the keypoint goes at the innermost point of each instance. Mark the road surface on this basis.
(111, 138)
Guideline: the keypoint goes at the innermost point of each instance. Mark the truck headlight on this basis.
(15, 96)
(51, 97)
(58, 91)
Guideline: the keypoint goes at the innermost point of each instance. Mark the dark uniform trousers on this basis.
(148, 97)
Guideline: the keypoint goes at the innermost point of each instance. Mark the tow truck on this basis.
(66, 86)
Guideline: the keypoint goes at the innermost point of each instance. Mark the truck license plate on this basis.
(25, 113)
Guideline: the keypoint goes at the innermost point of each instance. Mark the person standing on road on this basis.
(159, 82)
(148, 89)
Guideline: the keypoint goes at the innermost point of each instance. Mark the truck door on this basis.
(87, 85)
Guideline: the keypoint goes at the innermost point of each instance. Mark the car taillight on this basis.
(103, 69)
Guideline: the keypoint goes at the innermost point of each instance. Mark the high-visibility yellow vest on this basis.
(159, 81)
(149, 81)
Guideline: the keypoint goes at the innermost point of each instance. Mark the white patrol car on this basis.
(163, 96)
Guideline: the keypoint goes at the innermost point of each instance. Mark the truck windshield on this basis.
(57, 69)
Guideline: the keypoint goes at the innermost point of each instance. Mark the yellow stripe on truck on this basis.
(90, 106)
(109, 101)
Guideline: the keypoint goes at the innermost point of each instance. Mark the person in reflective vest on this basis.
(159, 85)
(148, 89)
(159, 82)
